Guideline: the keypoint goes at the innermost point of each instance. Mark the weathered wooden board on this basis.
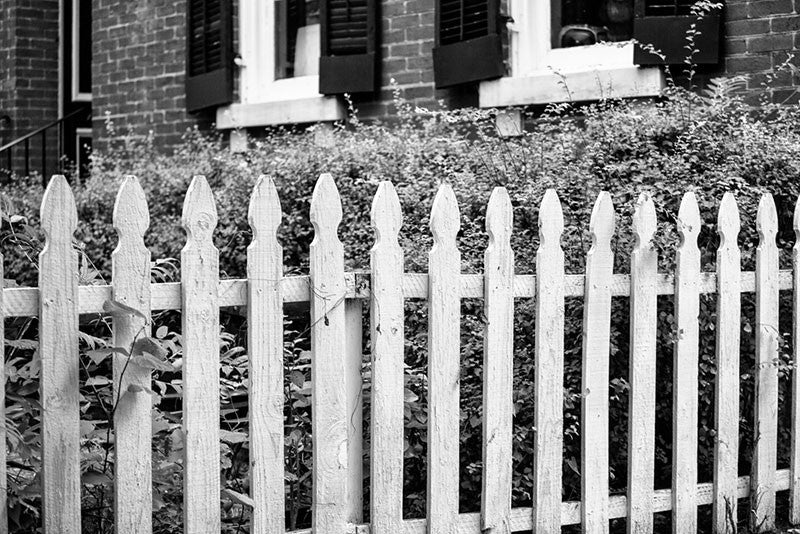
(265, 351)
(595, 368)
(642, 415)
(328, 349)
(762, 495)
(200, 319)
(387, 334)
(726, 393)
(444, 359)
(549, 373)
(58, 349)
(353, 318)
(130, 266)
(685, 369)
(794, 490)
(498, 365)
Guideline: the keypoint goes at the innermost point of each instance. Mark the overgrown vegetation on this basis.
(708, 143)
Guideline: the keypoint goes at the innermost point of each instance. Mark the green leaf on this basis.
(149, 345)
(98, 355)
(148, 361)
(229, 436)
(97, 381)
(297, 378)
(117, 309)
(162, 332)
(239, 498)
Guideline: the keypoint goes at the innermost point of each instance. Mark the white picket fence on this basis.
(335, 298)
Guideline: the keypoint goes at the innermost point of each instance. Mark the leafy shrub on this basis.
(708, 143)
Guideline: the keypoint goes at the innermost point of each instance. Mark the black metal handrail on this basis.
(25, 140)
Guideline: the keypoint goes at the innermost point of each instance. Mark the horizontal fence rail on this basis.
(335, 299)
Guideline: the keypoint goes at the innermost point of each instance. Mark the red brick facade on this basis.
(139, 50)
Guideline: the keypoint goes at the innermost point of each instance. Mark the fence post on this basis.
(642, 365)
(444, 359)
(549, 371)
(58, 347)
(387, 335)
(595, 367)
(685, 369)
(353, 319)
(199, 291)
(498, 365)
(794, 490)
(328, 349)
(726, 392)
(3, 481)
(265, 350)
(130, 261)
(762, 494)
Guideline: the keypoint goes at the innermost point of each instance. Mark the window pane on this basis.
(587, 22)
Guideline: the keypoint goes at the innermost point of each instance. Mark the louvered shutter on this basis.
(468, 45)
(348, 59)
(663, 24)
(209, 61)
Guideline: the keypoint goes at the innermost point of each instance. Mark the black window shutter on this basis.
(209, 61)
(663, 25)
(349, 41)
(468, 45)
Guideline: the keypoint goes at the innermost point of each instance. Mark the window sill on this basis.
(546, 87)
(288, 101)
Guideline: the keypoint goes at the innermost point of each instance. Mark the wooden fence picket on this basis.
(58, 349)
(444, 362)
(685, 369)
(498, 365)
(549, 371)
(265, 350)
(726, 392)
(130, 265)
(353, 319)
(762, 483)
(794, 489)
(199, 291)
(595, 368)
(328, 349)
(387, 335)
(641, 417)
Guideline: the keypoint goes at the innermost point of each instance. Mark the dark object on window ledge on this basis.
(581, 35)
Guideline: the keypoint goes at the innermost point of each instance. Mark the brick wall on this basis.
(759, 35)
(29, 65)
(138, 70)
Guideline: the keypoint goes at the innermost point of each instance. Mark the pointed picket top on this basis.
(445, 216)
(59, 216)
(499, 216)
(326, 207)
(386, 214)
(131, 217)
(199, 211)
(551, 219)
(264, 213)
(644, 222)
(728, 223)
(688, 219)
(767, 219)
(601, 224)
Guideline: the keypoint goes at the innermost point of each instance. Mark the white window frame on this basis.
(75, 92)
(542, 74)
(263, 99)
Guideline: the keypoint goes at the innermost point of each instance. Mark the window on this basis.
(664, 25)
(349, 62)
(296, 38)
(209, 61)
